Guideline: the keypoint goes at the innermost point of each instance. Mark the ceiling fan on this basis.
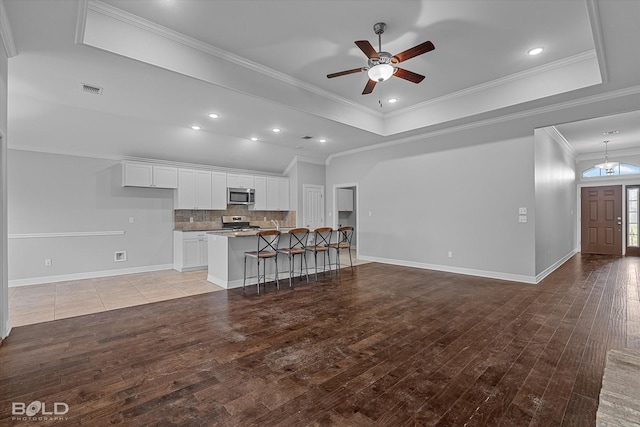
(382, 65)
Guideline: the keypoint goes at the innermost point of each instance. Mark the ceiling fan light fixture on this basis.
(381, 72)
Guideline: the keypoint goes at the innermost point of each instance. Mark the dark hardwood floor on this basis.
(390, 346)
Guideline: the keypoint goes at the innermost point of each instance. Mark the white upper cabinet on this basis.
(219, 190)
(240, 181)
(277, 194)
(136, 174)
(345, 200)
(194, 189)
(260, 185)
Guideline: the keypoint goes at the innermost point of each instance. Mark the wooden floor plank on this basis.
(388, 345)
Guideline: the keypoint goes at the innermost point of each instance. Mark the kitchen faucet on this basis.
(275, 222)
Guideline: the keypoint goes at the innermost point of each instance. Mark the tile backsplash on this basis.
(212, 219)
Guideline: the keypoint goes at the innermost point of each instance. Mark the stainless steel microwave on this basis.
(241, 196)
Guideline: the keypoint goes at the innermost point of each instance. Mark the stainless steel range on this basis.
(237, 223)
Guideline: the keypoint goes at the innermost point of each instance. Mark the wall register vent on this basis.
(95, 90)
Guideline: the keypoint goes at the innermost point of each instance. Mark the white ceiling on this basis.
(263, 64)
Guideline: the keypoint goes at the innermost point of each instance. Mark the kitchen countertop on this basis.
(249, 233)
(202, 229)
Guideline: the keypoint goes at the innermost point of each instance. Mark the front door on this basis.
(601, 213)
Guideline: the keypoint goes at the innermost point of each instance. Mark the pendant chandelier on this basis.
(607, 165)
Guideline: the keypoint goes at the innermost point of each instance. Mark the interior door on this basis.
(601, 213)
(313, 206)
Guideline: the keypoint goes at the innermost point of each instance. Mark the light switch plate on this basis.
(522, 211)
(522, 218)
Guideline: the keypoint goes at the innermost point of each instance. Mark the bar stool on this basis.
(297, 246)
(345, 234)
(321, 241)
(267, 249)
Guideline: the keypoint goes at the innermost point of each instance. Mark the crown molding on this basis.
(555, 134)
(6, 33)
(143, 24)
(497, 82)
(303, 159)
(81, 20)
(633, 90)
(596, 29)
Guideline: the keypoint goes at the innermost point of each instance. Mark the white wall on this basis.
(470, 179)
(51, 193)
(421, 200)
(5, 325)
(555, 207)
(306, 173)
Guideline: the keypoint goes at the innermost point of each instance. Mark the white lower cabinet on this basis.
(189, 250)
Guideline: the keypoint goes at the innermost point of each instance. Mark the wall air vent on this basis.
(91, 89)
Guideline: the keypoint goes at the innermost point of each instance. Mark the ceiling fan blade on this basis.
(413, 52)
(344, 73)
(408, 75)
(368, 88)
(366, 47)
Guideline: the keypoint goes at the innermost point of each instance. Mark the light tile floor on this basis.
(52, 301)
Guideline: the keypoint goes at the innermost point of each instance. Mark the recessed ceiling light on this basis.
(254, 138)
(276, 130)
(195, 127)
(535, 51)
(322, 140)
(392, 100)
(214, 115)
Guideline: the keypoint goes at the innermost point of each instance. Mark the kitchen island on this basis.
(226, 258)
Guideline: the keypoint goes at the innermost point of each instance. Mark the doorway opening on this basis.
(345, 209)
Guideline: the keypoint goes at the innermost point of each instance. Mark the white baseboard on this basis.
(555, 265)
(6, 330)
(87, 275)
(457, 270)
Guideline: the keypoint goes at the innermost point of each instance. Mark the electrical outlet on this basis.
(131, 220)
(47, 262)
(190, 219)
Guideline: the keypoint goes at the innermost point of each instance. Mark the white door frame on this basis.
(357, 204)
